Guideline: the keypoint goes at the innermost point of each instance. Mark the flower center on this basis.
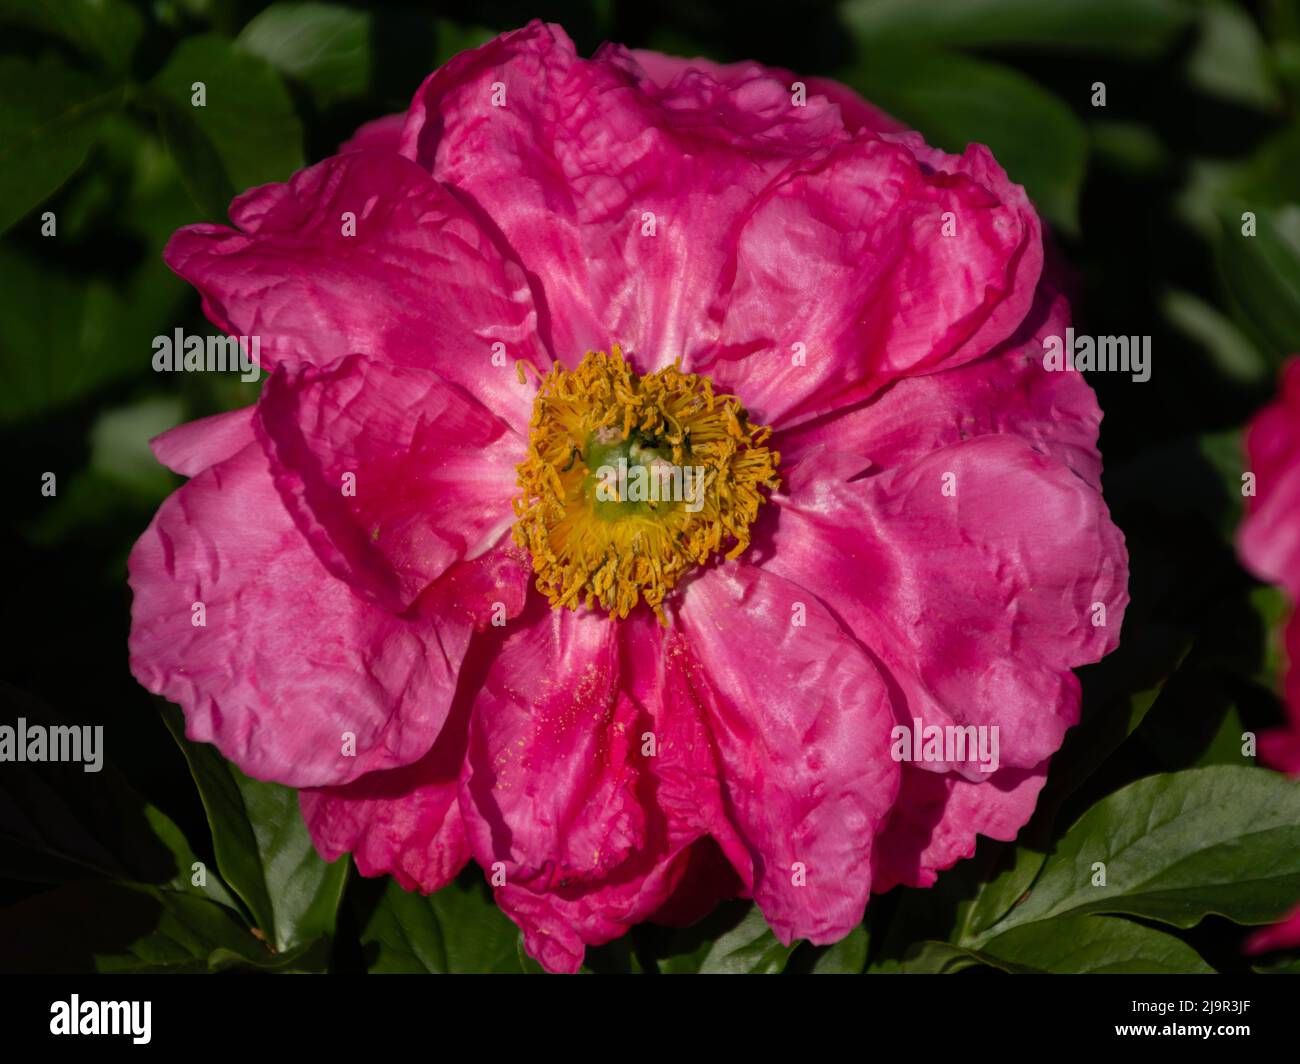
(630, 480)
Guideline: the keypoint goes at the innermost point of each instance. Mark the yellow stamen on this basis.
(589, 542)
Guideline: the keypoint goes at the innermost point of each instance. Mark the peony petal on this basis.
(592, 831)
(191, 448)
(549, 782)
(937, 816)
(690, 788)
(289, 661)
(559, 923)
(708, 878)
(1007, 392)
(664, 70)
(977, 603)
(404, 822)
(488, 591)
(379, 134)
(845, 281)
(391, 473)
(417, 285)
(1270, 535)
(1279, 748)
(1269, 544)
(620, 197)
(801, 720)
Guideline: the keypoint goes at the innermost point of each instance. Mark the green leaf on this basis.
(848, 956)
(330, 49)
(122, 471)
(1132, 27)
(1264, 179)
(940, 958)
(246, 134)
(105, 30)
(1001, 893)
(1261, 274)
(263, 849)
(458, 929)
(1086, 748)
(59, 822)
(87, 337)
(94, 328)
(749, 948)
(123, 927)
(956, 101)
(324, 46)
(1074, 945)
(119, 445)
(1131, 148)
(311, 958)
(682, 950)
(1268, 177)
(1272, 607)
(1176, 848)
(1230, 351)
(49, 117)
(1231, 59)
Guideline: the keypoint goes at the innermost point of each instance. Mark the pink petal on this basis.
(1279, 748)
(593, 830)
(379, 134)
(680, 872)
(844, 280)
(191, 448)
(559, 923)
(1282, 935)
(488, 591)
(290, 659)
(979, 604)
(1006, 392)
(1270, 535)
(391, 473)
(554, 791)
(937, 816)
(404, 822)
(855, 112)
(584, 154)
(690, 789)
(708, 878)
(801, 720)
(1269, 542)
(418, 285)
(549, 781)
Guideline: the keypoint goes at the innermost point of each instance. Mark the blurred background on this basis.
(1144, 195)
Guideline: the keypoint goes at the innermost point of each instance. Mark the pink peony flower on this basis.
(1269, 541)
(421, 610)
